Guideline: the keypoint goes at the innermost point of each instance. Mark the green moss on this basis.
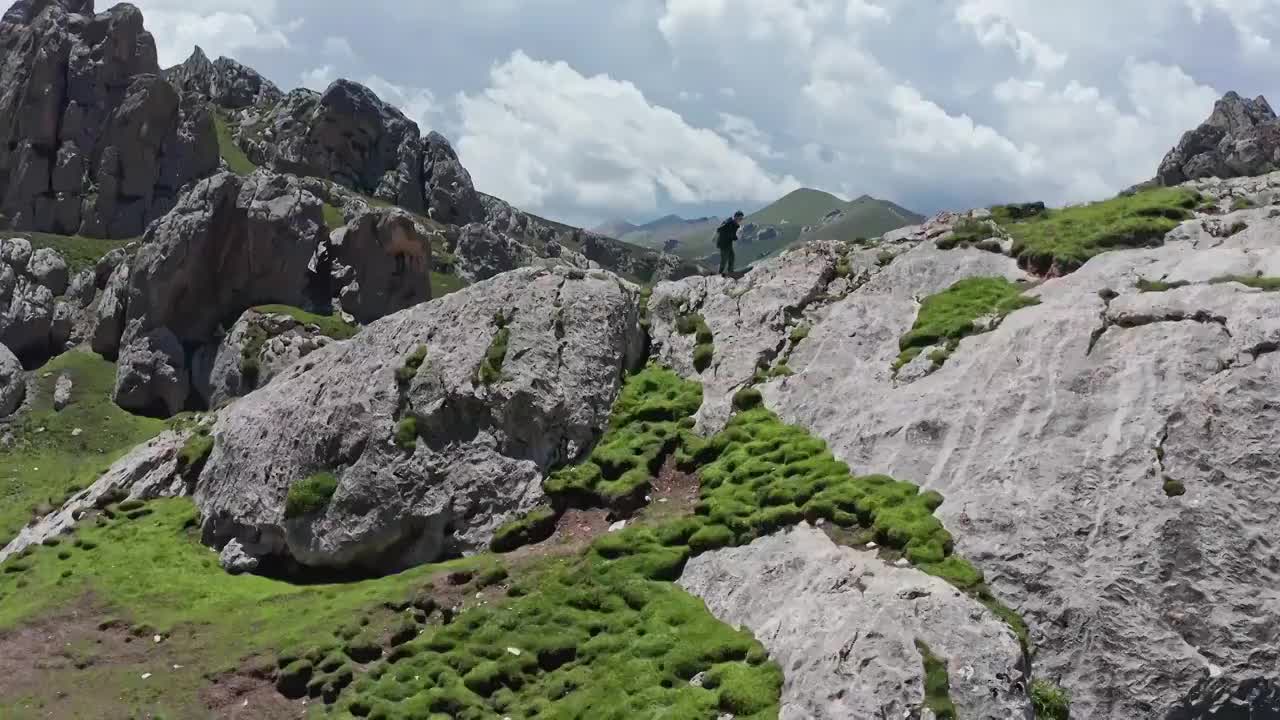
(78, 251)
(228, 149)
(643, 428)
(534, 526)
(937, 684)
(409, 370)
(330, 326)
(48, 457)
(406, 434)
(1067, 238)
(310, 495)
(747, 398)
(1049, 701)
(444, 283)
(1174, 488)
(799, 332)
(1145, 285)
(195, 451)
(1241, 203)
(1270, 284)
(333, 217)
(781, 370)
(946, 318)
(490, 370)
(884, 258)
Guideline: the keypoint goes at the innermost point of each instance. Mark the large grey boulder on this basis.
(152, 376)
(257, 349)
(109, 313)
(230, 243)
(1061, 440)
(844, 625)
(481, 253)
(13, 387)
(345, 134)
(26, 315)
(92, 139)
(224, 82)
(379, 264)
(472, 456)
(1241, 137)
(50, 270)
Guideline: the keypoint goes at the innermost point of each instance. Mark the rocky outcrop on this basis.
(224, 82)
(1240, 138)
(13, 385)
(29, 281)
(450, 195)
(259, 347)
(148, 471)
(231, 243)
(481, 253)
(151, 375)
(379, 264)
(92, 139)
(348, 135)
(844, 625)
(431, 460)
(1104, 455)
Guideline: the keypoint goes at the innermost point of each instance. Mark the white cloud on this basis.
(221, 27)
(745, 136)
(543, 134)
(1247, 17)
(338, 47)
(318, 78)
(994, 29)
(418, 104)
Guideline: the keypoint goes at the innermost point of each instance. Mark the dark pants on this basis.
(726, 259)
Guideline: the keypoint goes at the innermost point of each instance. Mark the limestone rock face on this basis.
(1240, 138)
(254, 351)
(231, 243)
(13, 387)
(92, 139)
(450, 195)
(348, 135)
(844, 624)
(469, 455)
(482, 253)
(224, 82)
(152, 376)
(379, 264)
(1106, 456)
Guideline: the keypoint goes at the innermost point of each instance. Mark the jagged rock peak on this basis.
(23, 12)
(224, 81)
(1241, 137)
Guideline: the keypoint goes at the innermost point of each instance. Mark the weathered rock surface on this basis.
(844, 625)
(224, 82)
(480, 450)
(92, 139)
(148, 471)
(231, 243)
(254, 351)
(50, 270)
(235, 560)
(379, 264)
(450, 195)
(13, 385)
(482, 253)
(109, 313)
(1241, 137)
(62, 392)
(1052, 438)
(152, 376)
(26, 302)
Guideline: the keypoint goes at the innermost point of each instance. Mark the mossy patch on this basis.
(333, 217)
(1269, 284)
(644, 427)
(310, 495)
(443, 283)
(704, 347)
(1242, 203)
(966, 233)
(944, 319)
(534, 526)
(78, 251)
(937, 684)
(236, 160)
(490, 370)
(195, 451)
(1146, 286)
(1065, 239)
(412, 364)
(48, 458)
(1049, 701)
(406, 433)
(1174, 488)
(331, 326)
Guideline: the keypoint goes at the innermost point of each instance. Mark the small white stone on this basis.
(872, 546)
(901, 562)
(514, 651)
(1214, 671)
(617, 526)
(156, 639)
(146, 675)
(76, 432)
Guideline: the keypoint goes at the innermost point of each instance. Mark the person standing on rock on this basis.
(726, 235)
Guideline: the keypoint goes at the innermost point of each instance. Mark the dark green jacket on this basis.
(727, 233)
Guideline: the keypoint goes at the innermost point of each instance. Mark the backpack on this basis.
(725, 236)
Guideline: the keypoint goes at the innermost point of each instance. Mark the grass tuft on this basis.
(533, 527)
(1174, 488)
(937, 684)
(333, 217)
(311, 495)
(946, 318)
(490, 370)
(1049, 701)
(237, 161)
(1145, 285)
(330, 326)
(407, 372)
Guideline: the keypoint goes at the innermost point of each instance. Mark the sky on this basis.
(586, 110)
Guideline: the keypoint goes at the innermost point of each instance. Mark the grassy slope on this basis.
(79, 251)
(330, 326)
(235, 157)
(866, 218)
(44, 465)
(1067, 238)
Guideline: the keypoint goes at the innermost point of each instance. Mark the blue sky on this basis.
(585, 110)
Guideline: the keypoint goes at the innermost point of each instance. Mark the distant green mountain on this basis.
(799, 216)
